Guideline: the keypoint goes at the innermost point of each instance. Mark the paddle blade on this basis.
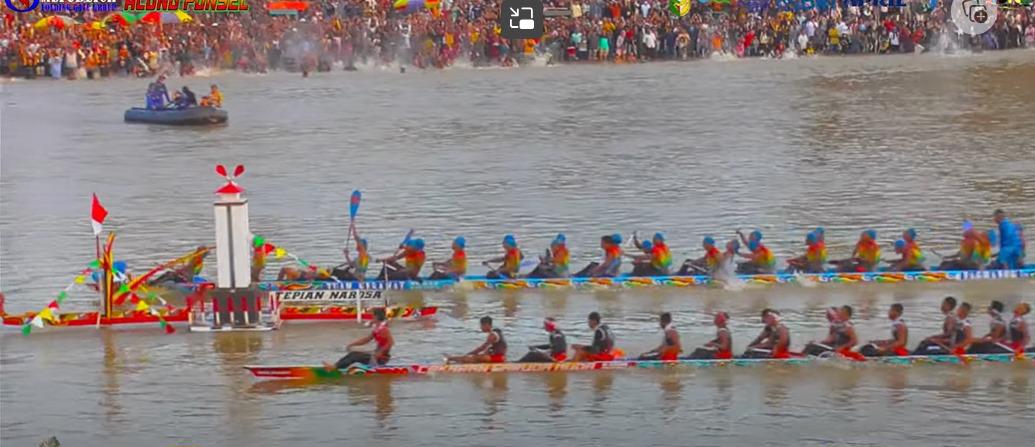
(354, 203)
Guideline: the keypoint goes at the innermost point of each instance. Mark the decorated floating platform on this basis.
(317, 372)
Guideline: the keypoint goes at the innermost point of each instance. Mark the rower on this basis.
(707, 264)
(911, 260)
(996, 341)
(936, 344)
(493, 350)
(612, 262)
(1018, 329)
(214, 97)
(834, 334)
(555, 262)
(774, 341)
(554, 351)
(896, 345)
(656, 259)
(756, 236)
(847, 338)
(380, 334)
(760, 259)
(1011, 243)
(510, 261)
(456, 266)
(972, 253)
(670, 346)
(354, 269)
(815, 256)
(720, 348)
(412, 252)
(865, 256)
(602, 348)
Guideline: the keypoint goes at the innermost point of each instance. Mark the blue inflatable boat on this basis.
(192, 116)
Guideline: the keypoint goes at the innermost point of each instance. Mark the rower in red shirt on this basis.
(894, 346)
(602, 348)
(670, 346)
(380, 335)
(721, 348)
(493, 350)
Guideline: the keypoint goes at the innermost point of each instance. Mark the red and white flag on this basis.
(97, 215)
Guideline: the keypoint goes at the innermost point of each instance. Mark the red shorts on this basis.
(602, 357)
(497, 358)
(560, 357)
(723, 355)
(781, 354)
(900, 351)
(959, 350)
(850, 354)
(671, 355)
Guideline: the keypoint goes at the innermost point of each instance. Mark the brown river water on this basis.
(690, 149)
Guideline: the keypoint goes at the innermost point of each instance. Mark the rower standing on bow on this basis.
(510, 262)
(602, 348)
(894, 346)
(996, 341)
(380, 334)
(493, 350)
(721, 347)
(670, 346)
(775, 340)
(456, 266)
(554, 351)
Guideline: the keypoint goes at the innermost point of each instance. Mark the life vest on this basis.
(380, 335)
(560, 257)
(459, 261)
(414, 260)
(660, 257)
(713, 258)
(511, 261)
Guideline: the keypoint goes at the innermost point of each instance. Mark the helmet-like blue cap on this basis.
(647, 245)
(460, 241)
(659, 236)
(617, 238)
(912, 233)
(509, 240)
(900, 244)
(820, 231)
(418, 244)
(812, 237)
(363, 241)
(756, 235)
(752, 245)
(560, 239)
(871, 233)
(708, 240)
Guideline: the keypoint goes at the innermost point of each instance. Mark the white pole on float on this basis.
(233, 243)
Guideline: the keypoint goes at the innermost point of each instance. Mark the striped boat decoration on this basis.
(312, 372)
(482, 283)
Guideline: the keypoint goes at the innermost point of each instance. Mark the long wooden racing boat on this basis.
(625, 281)
(316, 372)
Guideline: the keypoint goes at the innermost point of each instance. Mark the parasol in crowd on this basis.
(122, 18)
(162, 17)
(409, 6)
(58, 22)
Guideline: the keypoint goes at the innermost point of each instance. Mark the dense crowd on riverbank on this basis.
(346, 33)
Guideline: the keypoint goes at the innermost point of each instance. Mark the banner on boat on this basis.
(327, 295)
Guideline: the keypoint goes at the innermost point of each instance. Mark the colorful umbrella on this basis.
(59, 22)
(157, 17)
(122, 18)
(287, 7)
(408, 6)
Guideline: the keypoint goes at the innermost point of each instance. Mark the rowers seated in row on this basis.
(774, 341)
(974, 253)
(493, 350)
(556, 350)
(456, 266)
(719, 348)
(380, 335)
(865, 256)
(841, 337)
(705, 265)
(656, 258)
(184, 99)
(509, 263)
(670, 346)
(1019, 334)
(760, 259)
(555, 262)
(815, 258)
(354, 269)
(411, 252)
(894, 346)
(612, 262)
(998, 339)
(911, 257)
(955, 332)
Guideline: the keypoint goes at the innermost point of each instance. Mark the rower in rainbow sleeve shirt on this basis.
(355, 269)
(815, 258)
(974, 253)
(556, 260)
(656, 258)
(510, 261)
(456, 266)
(707, 264)
(412, 254)
(760, 259)
(612, 262)
(911, 260)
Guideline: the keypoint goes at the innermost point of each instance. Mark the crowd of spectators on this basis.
(332, 34)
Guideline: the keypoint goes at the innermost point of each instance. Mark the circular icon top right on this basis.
(974, 17)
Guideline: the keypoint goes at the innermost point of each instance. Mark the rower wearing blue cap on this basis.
(815, 258)
(755, 236)
(456, 266)
(510, 262)
(412, 253)
(1012, 245)
(910, 261)
(821, 235)
(354, 269)
(707, 264)
(612, 262)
